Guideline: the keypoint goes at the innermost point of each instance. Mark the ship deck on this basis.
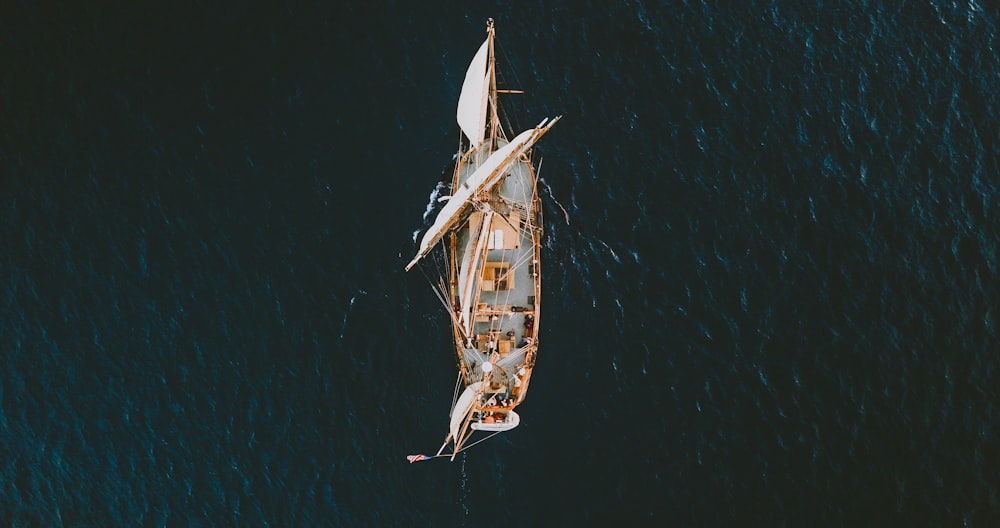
(506, 308)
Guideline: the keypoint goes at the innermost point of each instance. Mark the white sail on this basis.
(472, 273)
(486, 175)
(465, 274)
(472, 103)
(462, 408)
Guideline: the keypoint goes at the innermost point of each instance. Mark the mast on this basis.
(491, 71)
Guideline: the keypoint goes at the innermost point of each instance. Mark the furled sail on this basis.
(466, 274)
(486, 175)
(472, 272)
(462, 408)
(472, 103)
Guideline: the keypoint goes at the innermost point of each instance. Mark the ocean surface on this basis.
(771, 290)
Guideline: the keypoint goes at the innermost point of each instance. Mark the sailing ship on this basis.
(488, 269)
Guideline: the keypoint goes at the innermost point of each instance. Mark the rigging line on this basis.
(440, 296)
(506, 297)
(520, 262)
(478, 441)
(511, 121)
(454, 396)
(453, 453)
(526, 255)
(434, 287)
(535, 175)
(524, 258)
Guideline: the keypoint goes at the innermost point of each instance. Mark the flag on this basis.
(418, 458)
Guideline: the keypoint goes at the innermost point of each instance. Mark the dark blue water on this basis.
(774, 302)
